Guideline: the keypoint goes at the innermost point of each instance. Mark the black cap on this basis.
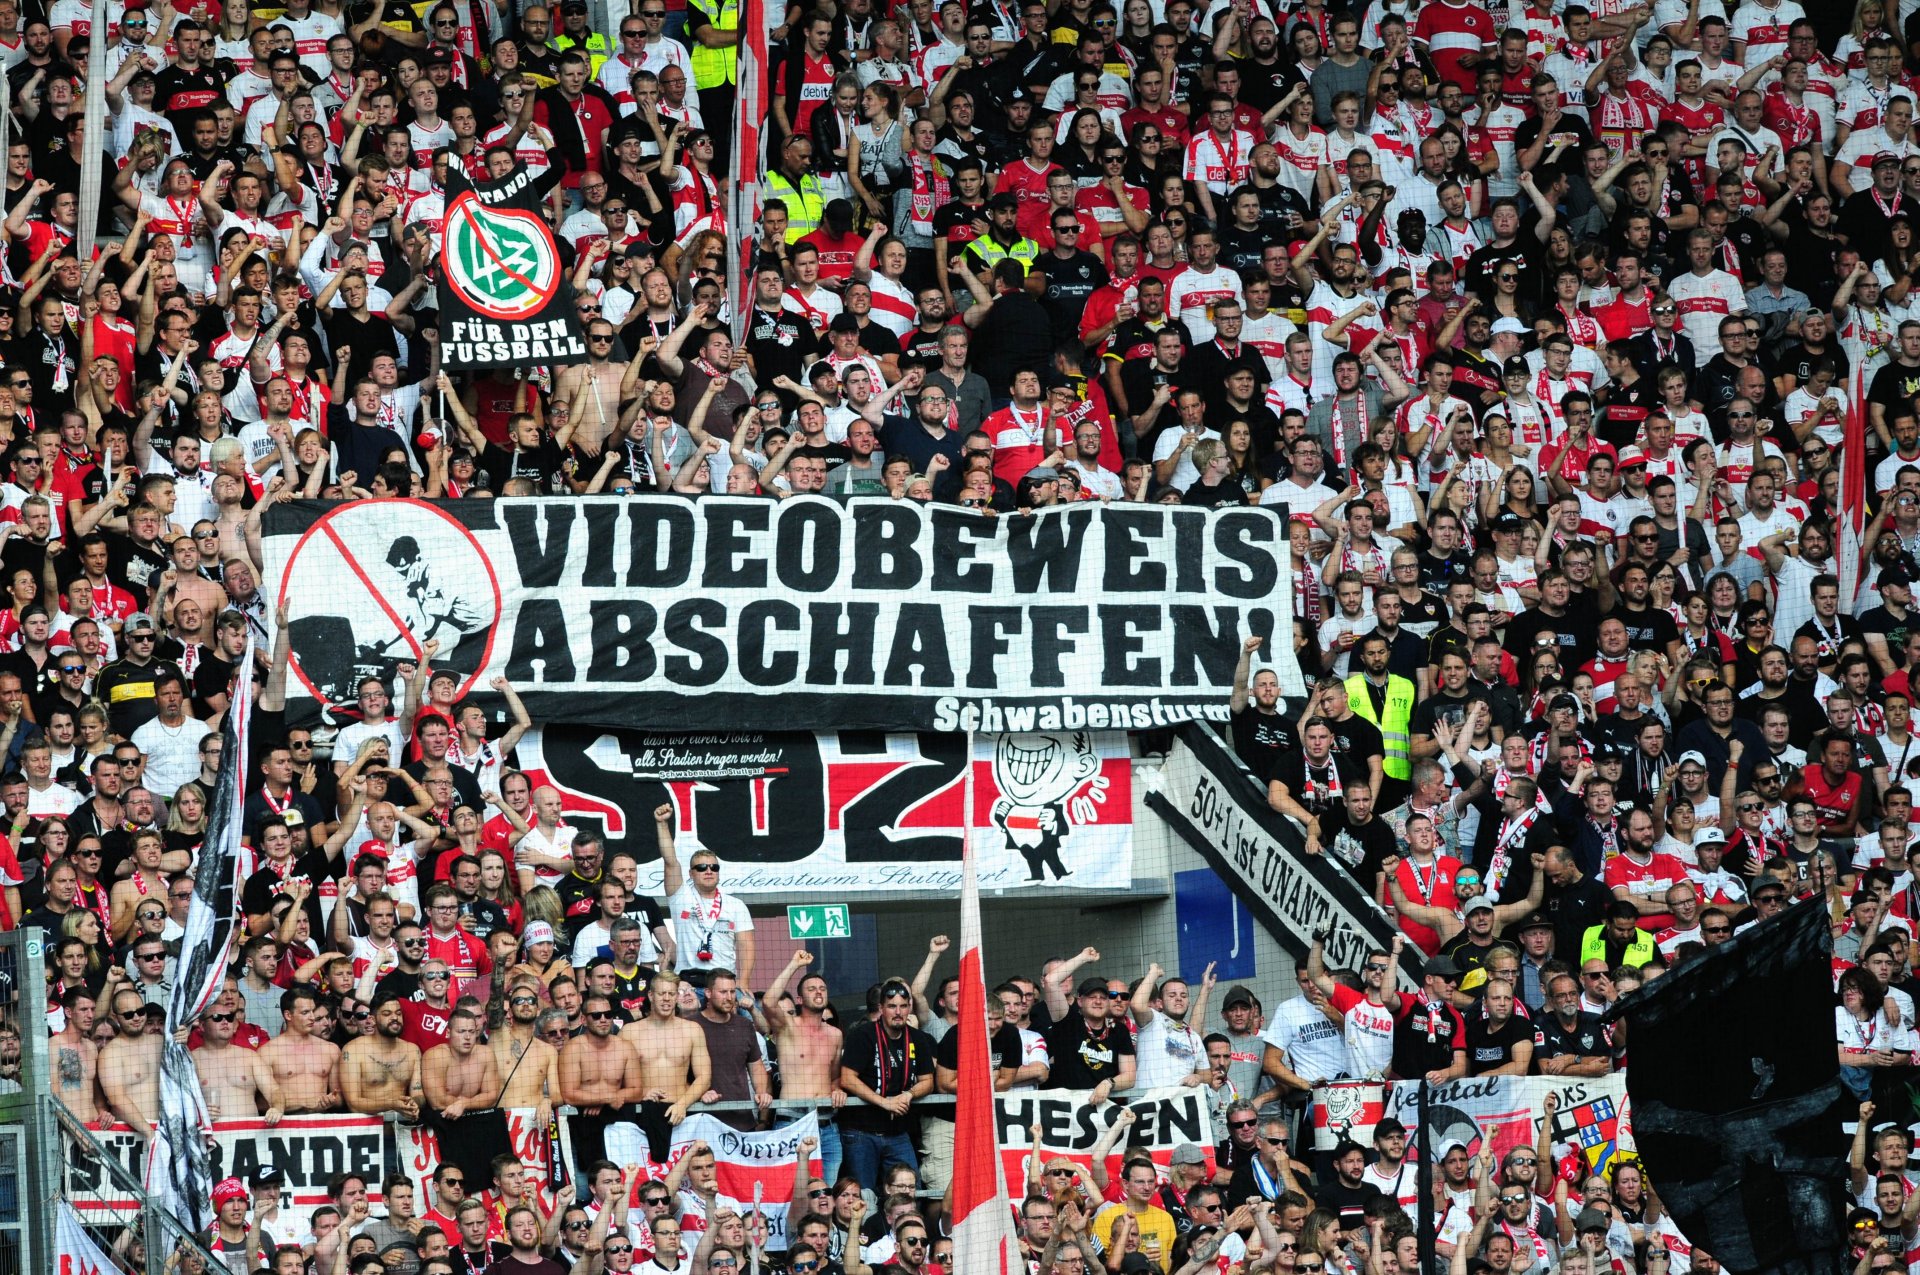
(1006, 200)
(1237, 995)
(1515, 366)
(1895, 576)
(442, 57)
(844, 322)
(1509, 522)
(1090, 985)
(266, 1175)
(1533, 921)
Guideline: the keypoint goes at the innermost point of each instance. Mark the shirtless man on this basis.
(381, 1072)
(809, 1049)
(531, 1066)
(306, 1068)
(674, 1067)
(146, 882)
(130, 1064)
(600, 1075)
(75, 1059)
(232, 1078)
(459, 1077)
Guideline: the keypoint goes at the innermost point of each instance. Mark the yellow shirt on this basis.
(1156, 1231)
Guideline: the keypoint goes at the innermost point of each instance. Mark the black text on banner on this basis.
(870, 614)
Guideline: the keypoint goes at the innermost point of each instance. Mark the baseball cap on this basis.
(844, 322)
(1886, 157)
(442, 57)
(1509, 522)
(1533, 921)
(1387, 1127)
(536, 932)
(1004, 200)
(139, 622)
(1478, 903)
(1042, 474)
(1693, 756)
(1592, 1220)
(1187, 1153)
(1631, 457)
(1237, 995)
(1090, 985)
(1894, 576)
(1508, 324)
(267, 1175)
(1515, 366)
(1709, 836)
(1441, 967)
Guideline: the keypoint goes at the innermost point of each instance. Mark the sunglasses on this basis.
(221, 1018)
(706, 867)
(597, 1014)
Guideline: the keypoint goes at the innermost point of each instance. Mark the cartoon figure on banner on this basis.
(424, 580)
(1039, 777)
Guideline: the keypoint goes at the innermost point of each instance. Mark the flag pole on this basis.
(740, 171)
(983, 1239)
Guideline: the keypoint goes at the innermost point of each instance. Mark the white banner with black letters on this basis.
(870, 614)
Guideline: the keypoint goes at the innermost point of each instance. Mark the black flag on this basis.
(1737, 1100)
(504, 296)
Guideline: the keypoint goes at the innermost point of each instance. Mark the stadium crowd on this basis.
(1544, 327)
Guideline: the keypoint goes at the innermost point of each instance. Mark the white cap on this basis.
(1709, 836)
(1691, 755)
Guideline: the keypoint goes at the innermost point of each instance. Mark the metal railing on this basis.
(42, 1142)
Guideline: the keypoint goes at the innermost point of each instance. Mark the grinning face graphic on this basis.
(1043, 769)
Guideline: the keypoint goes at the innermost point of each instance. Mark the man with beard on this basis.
(529, 1066)
(1571, 1041)
(381, 1073)
(1262, 731)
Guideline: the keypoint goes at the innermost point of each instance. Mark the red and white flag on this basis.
(1849, 554)
(983, 1239)
(74, 1252)
(750, 113)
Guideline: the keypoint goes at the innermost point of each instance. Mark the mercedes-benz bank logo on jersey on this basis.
(504, 297)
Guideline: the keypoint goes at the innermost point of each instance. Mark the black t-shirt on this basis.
(1489, 1047)
(888, 1065)
(484, 917)
(1005, 1048)
(780, 343)
(1347, 1202)
(1425, 1037)
(1894, 384)
(1082, 1060)
(1894, 630)
(1358, 741)
(1585, 1039)
(1648, 630)
(260, 890)
(1441, 706)
(1359, 848)
(1070, 281)
(1572, 643)
(1260, 738)
(1316, 788)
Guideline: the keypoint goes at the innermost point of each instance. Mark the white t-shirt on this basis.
(1313, 1046)
(704, 930)
(1166, 1053)
(1184, 474)
(559, 845)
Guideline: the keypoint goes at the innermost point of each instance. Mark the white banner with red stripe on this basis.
(742, 1161)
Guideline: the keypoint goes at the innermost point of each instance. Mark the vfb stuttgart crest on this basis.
(500, 261)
